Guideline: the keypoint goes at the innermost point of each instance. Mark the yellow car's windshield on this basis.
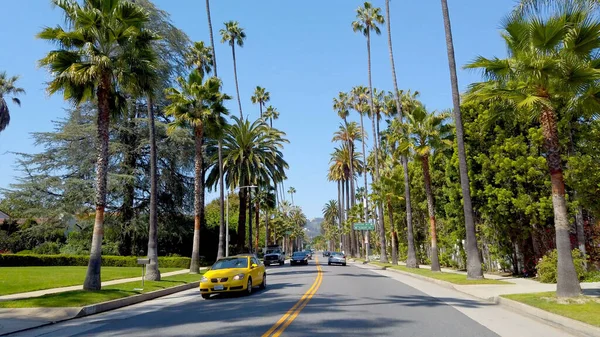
(227, 263)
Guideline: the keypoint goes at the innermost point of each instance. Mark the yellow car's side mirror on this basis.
(254, 265)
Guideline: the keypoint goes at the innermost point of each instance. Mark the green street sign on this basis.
(288, 233)
(364, 226)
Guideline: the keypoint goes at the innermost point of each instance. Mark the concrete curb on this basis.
(127, 301)
(564, 323)
(110, 305)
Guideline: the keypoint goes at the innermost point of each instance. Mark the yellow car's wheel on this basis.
(263, 285)
(249, 286)
(205, 296)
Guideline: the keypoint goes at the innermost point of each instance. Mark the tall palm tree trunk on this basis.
(222, 234)
(394, 233)
(152, 271)
(567, 279)
(212, 40)
(351, 232)
(198, 197)
(365, 199)
(257, 220)
(266, 227)
(92, 277)
(340, 207)
(237, 88)
(411, 260)
(384, 258)
(474, 270)
(435, 261)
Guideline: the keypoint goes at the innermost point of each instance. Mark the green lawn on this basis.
(79, 298)
(448, 277)
(584, 309)
(23, 279)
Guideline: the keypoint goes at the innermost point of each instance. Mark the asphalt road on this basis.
(312, 301)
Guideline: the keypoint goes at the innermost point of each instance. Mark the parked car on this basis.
(299, 258)
(337, 258)
(240, 273)
(325, 253)
(274, 255)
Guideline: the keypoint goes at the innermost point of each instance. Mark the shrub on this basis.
(18, 260)
(547, 266)
(47, 248)
(592, 276)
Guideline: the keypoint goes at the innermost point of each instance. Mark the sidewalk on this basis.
(492, 293)
(38, 293)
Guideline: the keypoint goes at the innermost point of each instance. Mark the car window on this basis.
(337, 253)
(299, 254)
(255, 261)
(235, 262)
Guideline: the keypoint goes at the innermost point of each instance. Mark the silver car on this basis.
(337, 258)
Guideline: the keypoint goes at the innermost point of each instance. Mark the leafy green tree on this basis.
(234, 34)
(367, 19)
(83, 73)
(551, 61)
(195, 105)
(8, 89)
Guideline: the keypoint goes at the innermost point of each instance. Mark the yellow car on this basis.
(238, 273)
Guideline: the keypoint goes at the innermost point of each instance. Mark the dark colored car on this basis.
(325, 253)
(299, 258)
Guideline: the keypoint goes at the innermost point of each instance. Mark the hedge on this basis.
(14, 260)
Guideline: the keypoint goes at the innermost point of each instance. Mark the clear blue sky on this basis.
(302, 52)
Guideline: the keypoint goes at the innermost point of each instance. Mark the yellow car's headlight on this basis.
(238, 277)
(203, 279)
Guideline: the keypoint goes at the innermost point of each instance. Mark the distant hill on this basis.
(313, 227)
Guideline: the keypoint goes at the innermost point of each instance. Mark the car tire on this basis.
(205, 296)
(281, 263)
(329, 263)
(249, 287)
(343, 264)
(263, 285)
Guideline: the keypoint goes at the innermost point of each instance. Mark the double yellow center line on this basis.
(291, 315)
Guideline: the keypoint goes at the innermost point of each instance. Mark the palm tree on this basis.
(474, 270)
(260, 97)
(234, 34)
(200, 57)
(348, 133)
(87, 64)
(424, 134)
(292, 191)
(197, 104)
(8, 88)
(271, 113)
(368, 18)
(252, 152)
(551, 61)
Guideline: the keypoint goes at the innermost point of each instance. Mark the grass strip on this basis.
(80, 298)
(15, 280)
(454, 278)
(583, 308)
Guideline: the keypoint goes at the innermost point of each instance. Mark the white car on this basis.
(337, 258)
